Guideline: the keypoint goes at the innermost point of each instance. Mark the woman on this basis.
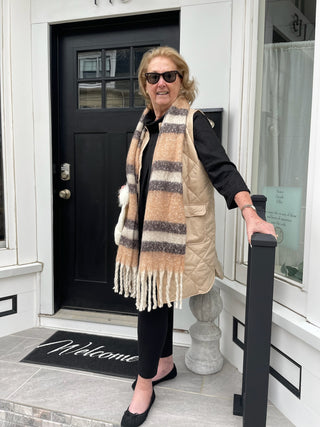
(167, 247)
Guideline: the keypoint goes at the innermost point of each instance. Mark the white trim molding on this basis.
(43, 159)
(8, 255)
(312, 227)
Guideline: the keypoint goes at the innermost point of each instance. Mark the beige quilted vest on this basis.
(201, 261)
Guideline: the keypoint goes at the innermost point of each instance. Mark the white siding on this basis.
(22, 111)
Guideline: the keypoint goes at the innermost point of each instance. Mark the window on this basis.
(108, 78)
(281, 145)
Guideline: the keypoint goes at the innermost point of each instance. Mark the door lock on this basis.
(65, 194)
(65, 171)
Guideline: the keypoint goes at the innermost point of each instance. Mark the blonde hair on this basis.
(188, 85)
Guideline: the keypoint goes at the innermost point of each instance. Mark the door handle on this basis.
(65, 194)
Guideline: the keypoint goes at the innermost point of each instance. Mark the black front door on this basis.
(96, 106)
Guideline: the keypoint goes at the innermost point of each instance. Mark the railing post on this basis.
(252, 403)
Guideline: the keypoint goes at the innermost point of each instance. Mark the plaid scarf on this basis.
(147, 274)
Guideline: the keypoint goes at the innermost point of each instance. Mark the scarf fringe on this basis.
(143, 286)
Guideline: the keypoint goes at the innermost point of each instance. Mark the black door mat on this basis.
(85, 352)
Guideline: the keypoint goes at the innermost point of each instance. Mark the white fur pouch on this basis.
(123, 197)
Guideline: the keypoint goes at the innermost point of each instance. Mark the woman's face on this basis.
(162, 94)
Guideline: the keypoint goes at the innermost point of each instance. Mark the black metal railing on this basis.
(252, 403)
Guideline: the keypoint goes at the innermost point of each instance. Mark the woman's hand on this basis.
(254, 223)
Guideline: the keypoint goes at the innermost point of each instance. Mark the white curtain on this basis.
(285, 124)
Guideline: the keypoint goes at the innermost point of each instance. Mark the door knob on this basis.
(65, 194)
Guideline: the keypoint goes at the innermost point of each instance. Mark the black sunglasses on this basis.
(168, 76)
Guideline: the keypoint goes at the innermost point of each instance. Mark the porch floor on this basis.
(43, 396)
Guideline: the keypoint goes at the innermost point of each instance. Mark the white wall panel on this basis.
(23, 131)
(71, 10)
(207, 50)
(293, 408)
(26, 317)
(229, 349)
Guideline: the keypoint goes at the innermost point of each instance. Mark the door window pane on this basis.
(138, 98)
(117, 62)
(89, 65)
(284, 119)
(118, 94)
(89, 95)
(115, 70)
(138, 54)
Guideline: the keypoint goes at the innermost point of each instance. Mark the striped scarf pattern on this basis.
(148, 274)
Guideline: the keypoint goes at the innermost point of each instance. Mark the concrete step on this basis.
(15, 415)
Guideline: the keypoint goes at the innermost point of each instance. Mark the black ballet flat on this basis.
(135, 420)
(172, 374)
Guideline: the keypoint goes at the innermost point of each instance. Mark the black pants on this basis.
(155, 329)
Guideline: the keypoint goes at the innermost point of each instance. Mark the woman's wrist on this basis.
(247, 206)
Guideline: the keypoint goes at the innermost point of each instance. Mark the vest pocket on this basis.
(195, 221)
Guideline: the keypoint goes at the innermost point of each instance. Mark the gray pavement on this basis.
(43, 396)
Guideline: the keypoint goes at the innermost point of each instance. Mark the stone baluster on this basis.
(204, 357)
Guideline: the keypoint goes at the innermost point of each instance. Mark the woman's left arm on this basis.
(254, 223)
(224, 175)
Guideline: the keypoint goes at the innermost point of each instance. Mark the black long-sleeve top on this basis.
(221, 171)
